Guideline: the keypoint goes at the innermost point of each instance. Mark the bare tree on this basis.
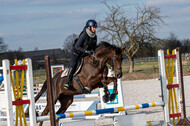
(68, 43)
(36, 48)
(173, 42)
(20, 49)
(3, 46)
(132, 31)
(186, 46)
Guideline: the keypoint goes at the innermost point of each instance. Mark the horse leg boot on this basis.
(106, 92)
(115, 92)
(68, 84)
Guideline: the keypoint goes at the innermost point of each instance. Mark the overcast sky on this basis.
(46, 23)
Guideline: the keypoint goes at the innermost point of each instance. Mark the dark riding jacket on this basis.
(84, 43)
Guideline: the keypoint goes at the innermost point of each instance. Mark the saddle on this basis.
(83, 89)
(79, 66)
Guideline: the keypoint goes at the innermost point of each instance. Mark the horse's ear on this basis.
(123, 49)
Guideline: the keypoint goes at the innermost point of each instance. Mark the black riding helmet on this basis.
(91, 23)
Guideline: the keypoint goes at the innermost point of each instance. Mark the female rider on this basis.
(84, 45)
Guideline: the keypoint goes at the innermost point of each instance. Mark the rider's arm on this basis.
(79, 42)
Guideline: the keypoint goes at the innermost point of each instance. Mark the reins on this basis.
(95, 60)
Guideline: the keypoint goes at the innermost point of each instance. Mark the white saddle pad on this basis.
(65, 72)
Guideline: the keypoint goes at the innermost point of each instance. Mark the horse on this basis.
(93, 74)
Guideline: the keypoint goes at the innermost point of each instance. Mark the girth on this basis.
(83, 89)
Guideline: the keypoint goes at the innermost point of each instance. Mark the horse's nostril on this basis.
(119, 75)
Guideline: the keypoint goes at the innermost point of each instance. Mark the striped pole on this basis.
(93, 94)
(102, 111)
(153, 123)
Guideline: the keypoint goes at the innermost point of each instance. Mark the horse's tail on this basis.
(43, 90)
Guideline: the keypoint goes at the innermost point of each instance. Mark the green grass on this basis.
(186, 65)
(149, 67)
(39, 76)
(145, 67)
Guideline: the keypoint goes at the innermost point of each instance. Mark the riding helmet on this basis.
(91, 23)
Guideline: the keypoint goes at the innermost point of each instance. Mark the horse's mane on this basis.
(104, 44)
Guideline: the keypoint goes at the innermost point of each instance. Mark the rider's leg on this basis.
(69, 77)
(72, 68)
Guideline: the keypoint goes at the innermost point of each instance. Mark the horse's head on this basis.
(112, 55)
(116, 61)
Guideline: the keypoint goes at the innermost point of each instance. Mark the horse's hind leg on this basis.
(65, 102)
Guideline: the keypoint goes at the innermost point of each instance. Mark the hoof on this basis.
(112, 97)
(105, 98)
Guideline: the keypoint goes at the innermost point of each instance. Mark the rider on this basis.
(84, 45)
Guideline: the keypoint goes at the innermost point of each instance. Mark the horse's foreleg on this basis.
(105, 83)
(115, 92)
(65, 102)
(106, 92)
(107, 95)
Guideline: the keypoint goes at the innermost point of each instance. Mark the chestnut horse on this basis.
(93, 74)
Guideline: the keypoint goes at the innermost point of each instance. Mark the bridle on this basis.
(112, 61)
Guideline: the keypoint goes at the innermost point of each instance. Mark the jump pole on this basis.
(50, 87)
(102, 111)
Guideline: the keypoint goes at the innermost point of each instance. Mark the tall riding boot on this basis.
(68, 84)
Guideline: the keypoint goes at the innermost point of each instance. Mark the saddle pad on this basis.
(66, 70)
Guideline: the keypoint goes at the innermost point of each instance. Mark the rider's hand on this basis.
(89, 52)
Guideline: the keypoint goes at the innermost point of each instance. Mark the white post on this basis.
(163, 80)
(30, 92)
(7, 84)
(179, 97)
(121, 98)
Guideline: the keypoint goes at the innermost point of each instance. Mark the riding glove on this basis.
(90, 52)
